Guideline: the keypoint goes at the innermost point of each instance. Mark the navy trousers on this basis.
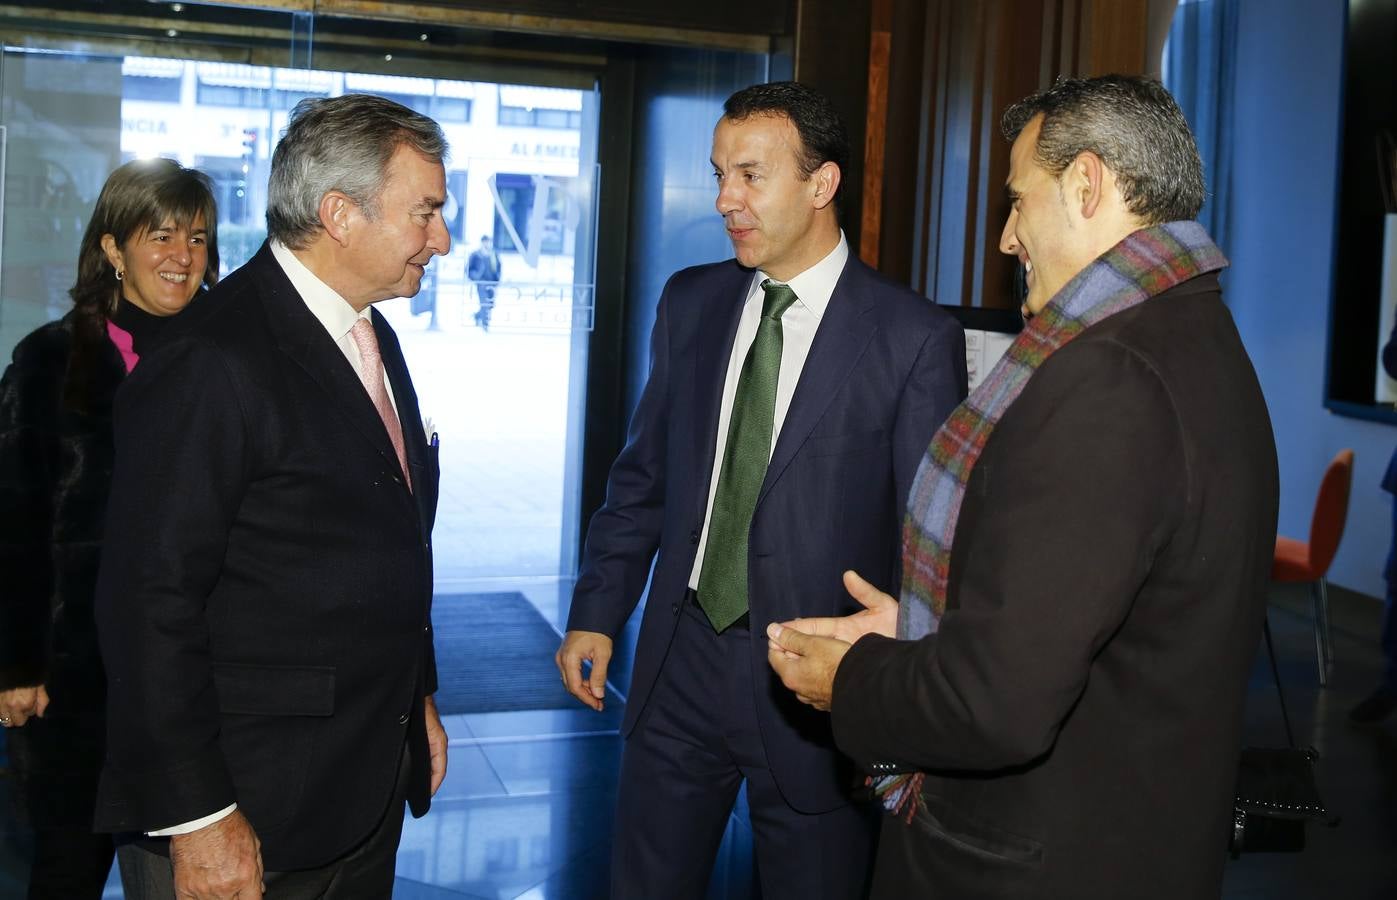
(683, 763)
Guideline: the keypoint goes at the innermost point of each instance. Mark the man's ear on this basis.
(826, 179)
(336, 210)
(1089, 183)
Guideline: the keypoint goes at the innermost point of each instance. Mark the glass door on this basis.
(496, 339)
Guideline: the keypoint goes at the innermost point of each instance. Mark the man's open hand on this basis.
(878, 616)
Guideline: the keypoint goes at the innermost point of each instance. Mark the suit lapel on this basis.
(405, 402)
(404, 395)
(301, 337)
(845, 330)
(425, 469)
(715, 342)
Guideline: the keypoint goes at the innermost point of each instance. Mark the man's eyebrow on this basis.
(430, 203)
(1009, 193)
(749, 164)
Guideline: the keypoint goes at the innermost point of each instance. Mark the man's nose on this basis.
(439, 239)
(728, 199)
(1008, 241)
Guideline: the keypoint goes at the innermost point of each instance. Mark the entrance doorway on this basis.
(498, 352)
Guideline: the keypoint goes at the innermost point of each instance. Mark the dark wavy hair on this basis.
(823, 137)
(142, 195)
(1137, 129)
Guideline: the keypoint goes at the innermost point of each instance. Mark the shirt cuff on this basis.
(188, 827)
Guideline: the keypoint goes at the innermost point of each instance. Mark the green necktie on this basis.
(722, 588)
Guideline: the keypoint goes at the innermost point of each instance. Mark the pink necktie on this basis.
(371, 371)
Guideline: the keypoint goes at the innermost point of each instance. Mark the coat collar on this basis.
(301, 336)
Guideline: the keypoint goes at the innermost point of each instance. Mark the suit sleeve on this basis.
(1067, 529)
(937, 385)
(181, 462)
(625, 533)
(28, 399)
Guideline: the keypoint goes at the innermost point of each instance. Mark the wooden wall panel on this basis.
(1112, 36)
(875, 129)
(643, 21)
(902, 140)
(744, 16)
(972, 61)
(831, 54)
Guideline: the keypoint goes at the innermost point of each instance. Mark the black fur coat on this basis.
(55, 475)
(56, 455)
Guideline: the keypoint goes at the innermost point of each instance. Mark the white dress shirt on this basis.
(329, 308)
(338, 317)
(799, 322)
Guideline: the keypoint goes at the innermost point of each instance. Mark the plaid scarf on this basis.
(1143, 265)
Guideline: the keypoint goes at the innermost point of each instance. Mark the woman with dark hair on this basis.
(149, 247)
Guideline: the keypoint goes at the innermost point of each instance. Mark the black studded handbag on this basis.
(1276, 795)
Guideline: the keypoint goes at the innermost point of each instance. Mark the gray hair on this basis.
(1133, 124)
(340, 144)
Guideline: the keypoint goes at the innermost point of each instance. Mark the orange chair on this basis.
(1298, 561)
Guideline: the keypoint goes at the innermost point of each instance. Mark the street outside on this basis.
(498, 400)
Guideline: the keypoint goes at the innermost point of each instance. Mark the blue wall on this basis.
(679, 97)
(1289, 98)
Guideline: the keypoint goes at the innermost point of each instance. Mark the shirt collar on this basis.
(815, 285)
(332, 310)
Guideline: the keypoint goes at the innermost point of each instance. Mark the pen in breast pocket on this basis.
(436, 441)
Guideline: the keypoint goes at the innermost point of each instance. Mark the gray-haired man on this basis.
(265, 596)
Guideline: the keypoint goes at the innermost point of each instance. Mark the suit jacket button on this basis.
(402, 720)
(693, 537)
(674, 608)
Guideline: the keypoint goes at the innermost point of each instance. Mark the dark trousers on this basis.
(56, 759)
(486, 293)
(365, 873)
(69, 864)
(681, 768)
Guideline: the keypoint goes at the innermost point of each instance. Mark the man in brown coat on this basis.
(1087, 549)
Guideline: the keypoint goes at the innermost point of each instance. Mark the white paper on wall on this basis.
(984, 348)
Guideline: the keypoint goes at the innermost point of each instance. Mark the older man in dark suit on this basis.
(792, 391)
(265, 595)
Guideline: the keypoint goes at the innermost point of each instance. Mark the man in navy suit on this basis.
(792, 392)
(264, 603)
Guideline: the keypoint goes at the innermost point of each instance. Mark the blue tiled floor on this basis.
(526, 810)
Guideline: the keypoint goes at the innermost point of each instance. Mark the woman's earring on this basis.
(120, 274)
